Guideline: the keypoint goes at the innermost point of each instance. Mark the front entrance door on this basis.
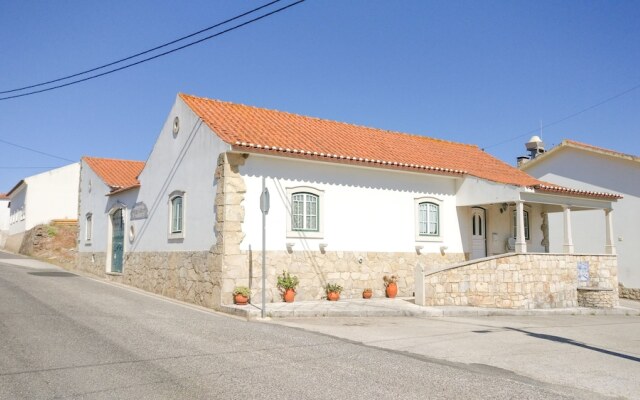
(117, 240)
(478, 234)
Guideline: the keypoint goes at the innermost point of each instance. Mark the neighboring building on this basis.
(4, 218)
(348, 205)
(41, 198)
(99, 178)
(592, 168)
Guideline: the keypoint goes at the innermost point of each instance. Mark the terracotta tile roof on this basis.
(262, 130)
(3, 196)
(117, 174)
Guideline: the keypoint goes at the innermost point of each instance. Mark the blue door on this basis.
(117, 241)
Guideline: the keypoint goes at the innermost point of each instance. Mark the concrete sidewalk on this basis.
(404, 307)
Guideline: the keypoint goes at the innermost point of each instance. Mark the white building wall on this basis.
(183, 162)
(362, 209)
(46, 196)
(18, 210)
(591, 171)
(4, 215)
(94, 200)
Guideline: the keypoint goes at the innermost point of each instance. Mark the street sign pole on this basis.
(264, 207)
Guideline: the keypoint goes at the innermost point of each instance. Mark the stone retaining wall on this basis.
(596, 298)
(352, 270)
(628, 293)
(186, 276)
(524, 281)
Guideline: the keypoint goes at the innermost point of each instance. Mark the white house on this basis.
(99, 178)
(348, 205)
(41, 198)
(4, 218)
(593, 168)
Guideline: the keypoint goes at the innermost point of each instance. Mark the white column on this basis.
(521, 244)
(568, 237)
(609, 247)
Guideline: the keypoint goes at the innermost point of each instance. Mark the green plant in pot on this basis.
(333, 291)
(241, 295)
(287, 284)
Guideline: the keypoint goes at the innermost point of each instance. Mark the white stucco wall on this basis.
(590, 171)
(94, 200)
(362, 209)
(4, 214)
(50, 195)
(17, 210)
(183, 162)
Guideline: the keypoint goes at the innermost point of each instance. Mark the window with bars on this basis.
(305, 212)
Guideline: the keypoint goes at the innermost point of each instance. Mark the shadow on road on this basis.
(560, 339)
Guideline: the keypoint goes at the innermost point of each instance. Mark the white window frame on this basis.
(421, 237)
(302, 233)
(177, 234)
(88, 228)
(527, 224)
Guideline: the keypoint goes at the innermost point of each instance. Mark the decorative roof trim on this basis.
(337, 157)
(586, 193)
(123, 189)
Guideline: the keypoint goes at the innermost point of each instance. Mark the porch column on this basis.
(568, 237)
(609, 247)
(521, 244)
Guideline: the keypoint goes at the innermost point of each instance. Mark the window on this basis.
(305, 218)
(88, 227)
(514, 224)
(176, 215)
(427, 219)
(304, 212)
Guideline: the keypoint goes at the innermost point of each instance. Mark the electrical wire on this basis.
(156, 56)
(141, 53)
(35, 151)
(575, 114)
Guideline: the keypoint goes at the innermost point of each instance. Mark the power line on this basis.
(575, 114)
(141, 53)
(156, 56)
(35, 151)
(9, 167)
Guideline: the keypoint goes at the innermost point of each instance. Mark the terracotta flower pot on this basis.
(289, 295)
(333, 296)
(367, 294)
(391, 290)
(240, 299)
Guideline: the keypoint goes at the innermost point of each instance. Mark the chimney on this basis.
(522, 160)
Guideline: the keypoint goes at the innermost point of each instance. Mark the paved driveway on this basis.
(596, 353)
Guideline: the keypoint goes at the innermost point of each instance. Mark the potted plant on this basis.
(241, 295)
(367, 293)
(333, 291)
(391, 285)
(287, 284)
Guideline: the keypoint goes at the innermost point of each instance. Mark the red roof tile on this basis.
(263, 130)
(117, 174)
(3, 196)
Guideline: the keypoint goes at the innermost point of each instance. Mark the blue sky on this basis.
(479, 72)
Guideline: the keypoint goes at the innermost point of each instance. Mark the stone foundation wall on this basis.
(186, 276)
(628, 293)
(523, 281)
(596, 298)
(353, 270)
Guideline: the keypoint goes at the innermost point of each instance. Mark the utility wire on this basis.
(575, 114)
(156, 56)
(35, 151)
(141, 53)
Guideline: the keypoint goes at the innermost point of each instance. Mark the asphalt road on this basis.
(67, 336)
